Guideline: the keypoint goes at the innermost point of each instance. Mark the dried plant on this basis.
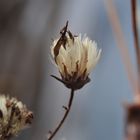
(75, 57)
(133, 109)
(132, 126)
(14, 116)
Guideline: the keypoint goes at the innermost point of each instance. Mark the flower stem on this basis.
(136, 38)
(64, 117)
(135, 30)
(121, 43)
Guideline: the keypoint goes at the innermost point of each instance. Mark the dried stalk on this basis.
(132, 128)
(133, 110)
(135, 31)
(121, 44)
(67, 110)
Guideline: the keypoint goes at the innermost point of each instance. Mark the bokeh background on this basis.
(27, 28)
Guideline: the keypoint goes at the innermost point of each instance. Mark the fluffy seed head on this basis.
(14, 116)
(75, 57)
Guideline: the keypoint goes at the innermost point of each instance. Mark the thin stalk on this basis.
(136, 38)
(64, 117)
(122, 44)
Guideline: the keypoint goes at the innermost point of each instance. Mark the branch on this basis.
(136, 38)
(122, 44)
(67, 110)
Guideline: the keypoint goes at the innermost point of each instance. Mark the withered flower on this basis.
(75, 57)
(14, 116)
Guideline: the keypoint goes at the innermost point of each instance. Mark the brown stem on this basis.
(136, 38)
(121, 43)
(64, 117)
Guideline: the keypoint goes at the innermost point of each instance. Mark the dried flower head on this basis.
(75, 57)
(14, 116)
(133, 121)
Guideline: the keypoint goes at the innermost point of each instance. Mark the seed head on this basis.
(14, 116)
(75, 57)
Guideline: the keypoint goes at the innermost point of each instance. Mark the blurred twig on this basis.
(121, 43)
(132, 128)
(135, 30)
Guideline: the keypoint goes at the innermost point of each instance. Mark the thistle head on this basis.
(75, 57)
(14, 116)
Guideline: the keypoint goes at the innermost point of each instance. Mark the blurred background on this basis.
(27, 28)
